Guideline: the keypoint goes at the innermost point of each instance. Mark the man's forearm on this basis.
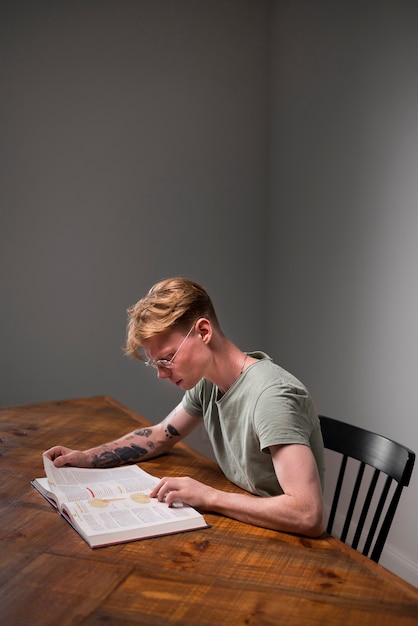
(137, 446)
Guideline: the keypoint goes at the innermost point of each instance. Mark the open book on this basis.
(108, 506)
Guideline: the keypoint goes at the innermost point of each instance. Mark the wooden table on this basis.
(231, 573)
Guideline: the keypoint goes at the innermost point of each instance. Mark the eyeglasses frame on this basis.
(168, 363)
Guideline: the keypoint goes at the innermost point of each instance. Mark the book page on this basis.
(112, 505)
(133, 511)
(73, 484)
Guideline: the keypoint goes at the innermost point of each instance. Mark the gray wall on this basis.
(344, 220)
(134, 140)
(139, 139)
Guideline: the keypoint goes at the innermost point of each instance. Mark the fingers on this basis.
(54, 453)
(167, 490)
(161, 490)
(62, 460)
(179, 491)
(60, 456)
(51, 453)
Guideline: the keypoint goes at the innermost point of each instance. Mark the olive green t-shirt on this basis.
(265, 406)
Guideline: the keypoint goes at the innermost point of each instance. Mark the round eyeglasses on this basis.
(168, 363)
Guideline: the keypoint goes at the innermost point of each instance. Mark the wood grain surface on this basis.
(231, 573)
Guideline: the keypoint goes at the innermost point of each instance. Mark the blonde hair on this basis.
(170, 304)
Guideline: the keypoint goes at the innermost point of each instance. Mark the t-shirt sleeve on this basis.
(192, 402)
(284, 415)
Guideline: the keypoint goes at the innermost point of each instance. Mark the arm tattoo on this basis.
(131, 453)
(145, 432)
(126, 454)
(118, 456)
(171, 432)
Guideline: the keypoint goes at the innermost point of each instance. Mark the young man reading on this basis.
(259, 418)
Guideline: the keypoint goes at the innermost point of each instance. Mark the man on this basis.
(260, 420)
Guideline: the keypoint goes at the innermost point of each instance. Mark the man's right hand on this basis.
(62, 457)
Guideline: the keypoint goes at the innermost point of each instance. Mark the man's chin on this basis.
(182, 384)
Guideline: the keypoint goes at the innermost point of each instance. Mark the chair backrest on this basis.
(388, 458)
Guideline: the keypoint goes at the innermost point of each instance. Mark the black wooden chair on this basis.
(392, 463)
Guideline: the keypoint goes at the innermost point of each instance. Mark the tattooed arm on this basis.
(133, 447)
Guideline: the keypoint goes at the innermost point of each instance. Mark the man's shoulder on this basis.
(272, 373)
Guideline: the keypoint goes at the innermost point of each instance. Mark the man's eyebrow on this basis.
(161, 358)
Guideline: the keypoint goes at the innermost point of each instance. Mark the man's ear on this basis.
(204, 329)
